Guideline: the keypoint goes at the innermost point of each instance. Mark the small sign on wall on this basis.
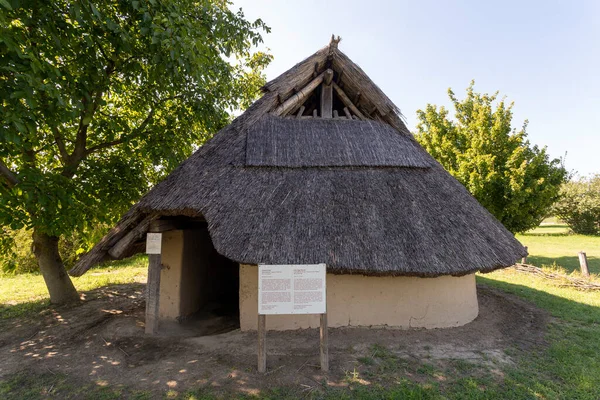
(292, 289)
(153, 243)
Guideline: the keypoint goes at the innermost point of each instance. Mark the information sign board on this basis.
(291, 289)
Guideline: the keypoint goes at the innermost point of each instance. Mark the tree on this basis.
(516, 182)
(100, 99)
(579, 205)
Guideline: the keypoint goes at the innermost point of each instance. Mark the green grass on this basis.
(26, 294)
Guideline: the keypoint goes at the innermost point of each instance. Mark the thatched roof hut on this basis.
(322, 169)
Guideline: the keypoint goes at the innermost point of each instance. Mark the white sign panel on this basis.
(153, 243)
(291, 289)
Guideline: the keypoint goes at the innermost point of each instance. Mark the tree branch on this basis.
(9, 176)
(61, 145)
(80, 150)
(124, 138)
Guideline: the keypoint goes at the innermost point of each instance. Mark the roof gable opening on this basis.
(311, 108)
(320, 142)
(322, 97)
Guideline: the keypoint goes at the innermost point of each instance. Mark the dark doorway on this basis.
(209, 287)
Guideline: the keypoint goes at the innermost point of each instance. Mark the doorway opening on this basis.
(208, 287)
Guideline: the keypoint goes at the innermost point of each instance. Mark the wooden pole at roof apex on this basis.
(333, 43)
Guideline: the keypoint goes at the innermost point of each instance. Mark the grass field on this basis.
(569, 368)
(551, 245)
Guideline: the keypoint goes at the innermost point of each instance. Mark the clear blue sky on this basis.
(543, 55)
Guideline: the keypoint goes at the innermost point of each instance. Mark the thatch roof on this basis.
(278, 142)
(361, 196)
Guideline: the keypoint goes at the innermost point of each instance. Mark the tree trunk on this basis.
(59, 283)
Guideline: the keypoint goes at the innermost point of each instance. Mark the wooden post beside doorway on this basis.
(153, 293)
(154, 249)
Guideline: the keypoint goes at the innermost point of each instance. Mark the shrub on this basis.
(513, 179)
(18, 257)
(579, 205)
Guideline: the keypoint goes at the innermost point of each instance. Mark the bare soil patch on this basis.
(102, 341)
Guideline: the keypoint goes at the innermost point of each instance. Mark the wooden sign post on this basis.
(324, 343)
(292, 289)
(262, 345)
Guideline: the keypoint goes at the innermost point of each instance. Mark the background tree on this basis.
(516, 182)
(579, 205)
(100, 99)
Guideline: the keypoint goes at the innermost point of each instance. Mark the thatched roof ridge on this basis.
(359, 82)
(368, 211)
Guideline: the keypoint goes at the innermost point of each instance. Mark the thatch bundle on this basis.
(361, 196)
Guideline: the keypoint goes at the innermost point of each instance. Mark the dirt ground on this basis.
(102, 341)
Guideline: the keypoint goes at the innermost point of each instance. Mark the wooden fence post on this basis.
(583, 264)
(262, 345)
(524, 259)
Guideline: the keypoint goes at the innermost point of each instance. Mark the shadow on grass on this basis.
(25, 386)
(23, 295)
(569, 368)
(36, 308)
(26, 309)
(560, 307)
